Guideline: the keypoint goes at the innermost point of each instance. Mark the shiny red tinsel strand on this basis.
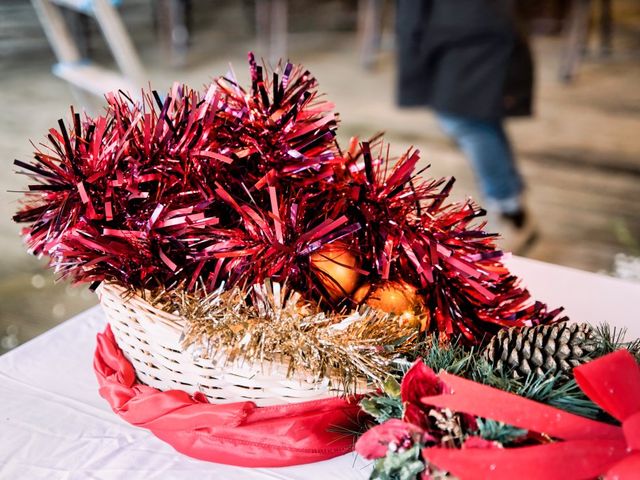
(237, 186)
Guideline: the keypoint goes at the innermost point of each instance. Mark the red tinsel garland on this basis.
(237, 186)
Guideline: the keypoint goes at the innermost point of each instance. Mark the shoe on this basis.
(517, 231)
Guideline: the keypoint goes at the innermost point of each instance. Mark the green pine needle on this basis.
(499, 432)
(609, 339)
(452, 357)
(405, 465)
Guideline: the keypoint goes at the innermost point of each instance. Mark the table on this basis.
(587, 297)
(55, 426)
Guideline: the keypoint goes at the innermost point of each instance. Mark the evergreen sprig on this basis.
(382, 408)
(609, 339)
(387, 406)
(400, 465)
(452, 357)
(553, 389)
(495, 431)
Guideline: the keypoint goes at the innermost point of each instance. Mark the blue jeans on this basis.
(485, 144)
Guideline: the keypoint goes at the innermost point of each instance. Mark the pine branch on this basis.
(452, 357)
(609, 339)
(556, 390)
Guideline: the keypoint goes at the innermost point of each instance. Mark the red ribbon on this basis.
(588, 449)
(241, 433)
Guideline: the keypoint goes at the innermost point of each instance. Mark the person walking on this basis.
(469, 60)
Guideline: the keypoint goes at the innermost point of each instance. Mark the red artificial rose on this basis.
(420, 381)
(417, 415)
(375, 442)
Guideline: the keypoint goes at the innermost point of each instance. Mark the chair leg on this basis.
(172, 20)
(119, 42)
(575, 39)
(271, 29)
(263, 18)
(370, 30)
(179, 32)
(279, 27)
(606, 28)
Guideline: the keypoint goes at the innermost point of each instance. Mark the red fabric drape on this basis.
(241, 433)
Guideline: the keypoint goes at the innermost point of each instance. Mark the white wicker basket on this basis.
(150, 340)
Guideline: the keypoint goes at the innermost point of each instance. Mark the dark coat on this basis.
(464, 57)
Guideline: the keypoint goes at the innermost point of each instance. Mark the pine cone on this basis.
(542, 349)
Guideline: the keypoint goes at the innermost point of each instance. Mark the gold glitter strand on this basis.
(270, 323)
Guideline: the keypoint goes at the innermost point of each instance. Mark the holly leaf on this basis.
(391, 387)
(382, 408)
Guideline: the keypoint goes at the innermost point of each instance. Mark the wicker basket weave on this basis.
(150, 340)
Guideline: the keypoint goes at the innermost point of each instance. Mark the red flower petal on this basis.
(375, 442)
(416, 415)
(420, 381)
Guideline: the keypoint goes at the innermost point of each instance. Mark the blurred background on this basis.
(579, 153)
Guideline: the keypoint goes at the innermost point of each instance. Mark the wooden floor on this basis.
(580, 154)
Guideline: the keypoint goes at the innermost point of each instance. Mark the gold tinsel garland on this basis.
(271, 323)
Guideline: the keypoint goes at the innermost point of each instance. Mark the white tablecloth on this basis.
(587, 297)
(53, 424)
